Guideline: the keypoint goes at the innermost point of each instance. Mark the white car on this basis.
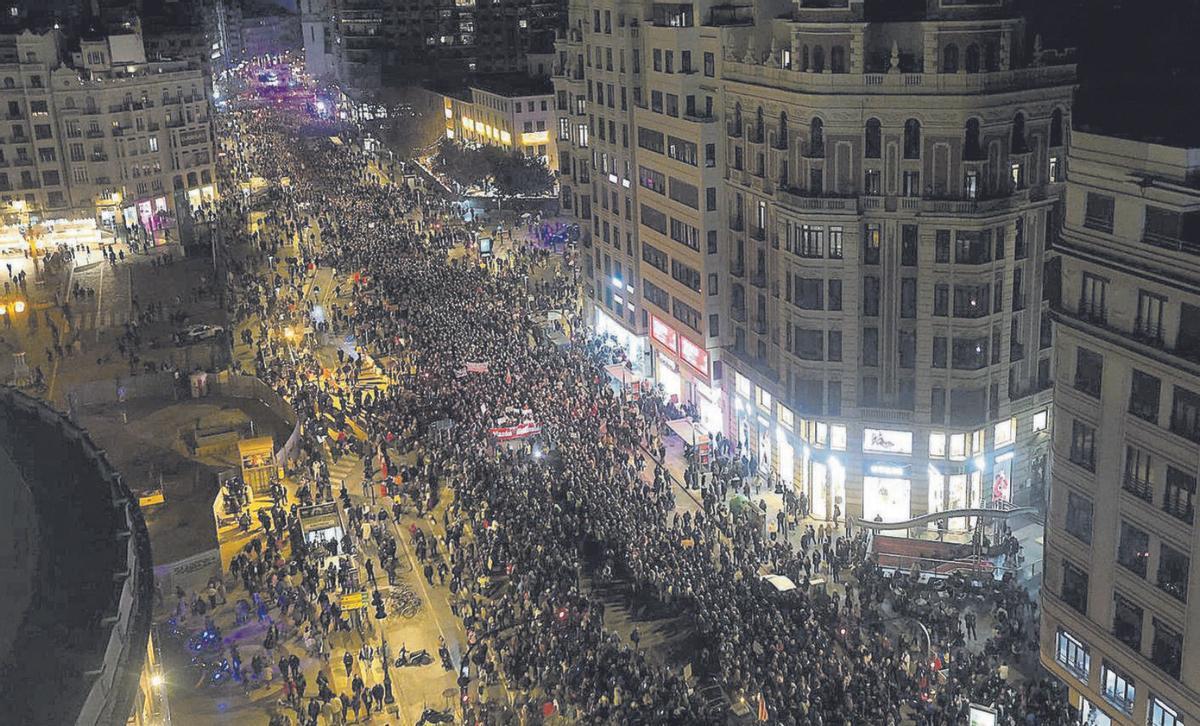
(200, 332)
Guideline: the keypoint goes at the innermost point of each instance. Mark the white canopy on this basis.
(620, 373)
(691, 433)
(780, 583)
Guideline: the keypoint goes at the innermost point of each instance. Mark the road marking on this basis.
(99, 299)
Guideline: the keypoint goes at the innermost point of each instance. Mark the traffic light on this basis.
(377, 601)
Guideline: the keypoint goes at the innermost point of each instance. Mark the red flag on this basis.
(762, 708)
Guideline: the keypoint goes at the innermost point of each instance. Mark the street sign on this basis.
(353, 601)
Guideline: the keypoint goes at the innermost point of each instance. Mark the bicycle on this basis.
(404, 602)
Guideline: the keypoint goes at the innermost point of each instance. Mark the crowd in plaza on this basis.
(516, 530)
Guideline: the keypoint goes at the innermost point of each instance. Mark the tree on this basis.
(514, 174)
(461, 164)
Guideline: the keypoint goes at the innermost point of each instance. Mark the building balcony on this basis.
(758, 233)
(759, 279)
(738, 312)
(699, 118)
(760, 326)
(890, 83)
(734, 131)
(1138, 487)
(978, 207)
(737, 268)
(737, 224)
(799, 199)
(95, 134)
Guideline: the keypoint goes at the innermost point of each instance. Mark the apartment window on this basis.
(1133, 551)
(1054, 170)
(907, 349)
(873, 144)
(908, 245)
(654, 256)
(710, 199)
(1166, 649)
(1162, 713)
(872, 238)
(1149, 322)
(870, 343)
(1127, 621)
(685, 234)
(835, 294)
(835, 243)
(654, 219)
(810, 344)
(941, 247)
(1089, 372)
(835, 345)
(1079, 516)
(1144, 393)
(656, 295)
(1117, 688)
(939, 352)
(1137, 473)
(1073, 655)
(871, 296)
(1173, 568)
(653, 180)
(911, 184)
(973, 248)
(1083, 445)
(1185, 414)
(809, 293)
(710, 65)
(1098, 214)
(1075, 587)
(1093, 298)
(713, 284)
(810, 241)
(908, 297)
(969, 354)
(685, 275)
(1179, 494)
(872, 182)
(941, 300)
(971, 301)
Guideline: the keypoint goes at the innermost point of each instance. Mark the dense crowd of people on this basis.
(518, 531)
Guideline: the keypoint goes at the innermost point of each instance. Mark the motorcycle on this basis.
(416, 658)
(444, 653)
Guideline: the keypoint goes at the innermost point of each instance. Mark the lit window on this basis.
(786, 419)
(837, 437)
(764, 400)
(977, 442)
(1163, 714)
(741, 385)
(1117, 688)
(937, 445)
(822, 434)
(958, 446)
(1041, 420)
(1005, 432)
(1073, 655)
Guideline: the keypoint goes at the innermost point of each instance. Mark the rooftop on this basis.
(76, 653)
(512, 85)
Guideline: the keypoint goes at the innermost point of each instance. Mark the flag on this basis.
(762, 708)
(476, 367)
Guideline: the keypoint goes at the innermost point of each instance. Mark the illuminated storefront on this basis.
(202, 195)
(889, 473)
(633, 345)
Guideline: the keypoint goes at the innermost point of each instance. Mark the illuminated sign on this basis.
(884, 441)
(663, 333)
(693, 355)
(535, 137)
(981, 716)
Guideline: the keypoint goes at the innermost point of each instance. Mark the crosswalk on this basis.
(348, 469)
(100, 319)
(371, 377)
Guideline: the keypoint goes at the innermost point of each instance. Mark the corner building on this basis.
(892, 178)
(1126, 436)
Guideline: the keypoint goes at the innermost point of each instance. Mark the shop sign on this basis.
(664, 334)
(693, 355)
(353, 601)
(885, 441)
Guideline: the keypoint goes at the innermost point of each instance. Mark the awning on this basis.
(691, 433)
(780, 583)
(618, 372)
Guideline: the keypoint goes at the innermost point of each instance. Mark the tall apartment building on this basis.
(375, 41)
(1126, 436)
(840, 223)
(316, 32)
(893, 175)
(100, 133)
